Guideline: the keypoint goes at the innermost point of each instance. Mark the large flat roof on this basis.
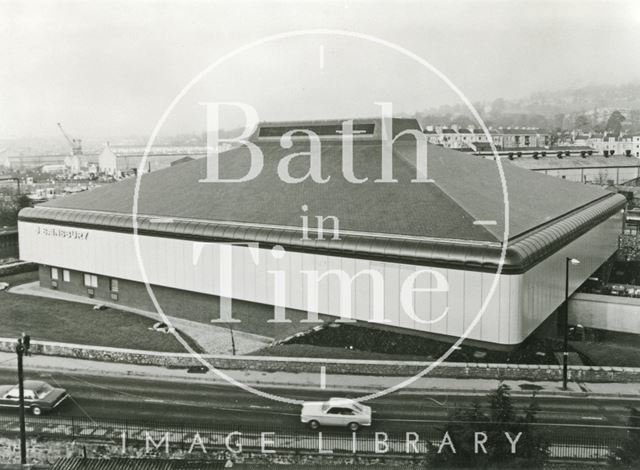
(413, 216)
(552, 162)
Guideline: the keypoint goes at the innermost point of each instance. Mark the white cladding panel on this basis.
(543, 285)
(519, 304)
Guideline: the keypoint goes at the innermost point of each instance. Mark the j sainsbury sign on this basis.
(68, 233)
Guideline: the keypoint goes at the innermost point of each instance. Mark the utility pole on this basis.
(20, 350)
(565, 351)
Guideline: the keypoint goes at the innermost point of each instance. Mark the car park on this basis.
(342, 412)
(39, 396)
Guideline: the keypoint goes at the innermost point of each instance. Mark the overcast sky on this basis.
(111, 68)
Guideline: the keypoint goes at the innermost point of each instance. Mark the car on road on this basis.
(336, 412)
(39, 396)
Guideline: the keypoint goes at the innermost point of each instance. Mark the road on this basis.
(197, 403)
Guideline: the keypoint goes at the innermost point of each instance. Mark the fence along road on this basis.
(181, 437)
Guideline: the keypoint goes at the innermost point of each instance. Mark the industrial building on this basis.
(401, 233)
(118, 161)
(573, 163)
(594, 169)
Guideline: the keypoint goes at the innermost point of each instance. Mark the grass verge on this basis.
(360, 342)
(69, 322)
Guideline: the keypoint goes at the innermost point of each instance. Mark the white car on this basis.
(336, 412)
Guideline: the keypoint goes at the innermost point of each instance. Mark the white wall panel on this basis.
(391, 287)
(455, 317)
(490, 323)
(473, 300)
(543, 285)
(363, 300)
(509, 309)
(520, 304)
(406, 320)
(421, 300)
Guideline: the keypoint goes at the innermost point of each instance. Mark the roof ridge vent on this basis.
(363, 129)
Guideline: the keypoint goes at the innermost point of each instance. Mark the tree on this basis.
(558, 121)
(628, 455)
(22, 201)
(501, 427)
(581, 122)
(614, 124)
(533, 448)
(10, 205)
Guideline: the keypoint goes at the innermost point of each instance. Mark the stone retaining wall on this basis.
(334, 366)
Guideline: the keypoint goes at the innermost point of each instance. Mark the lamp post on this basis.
(20, 350)
(565, 354)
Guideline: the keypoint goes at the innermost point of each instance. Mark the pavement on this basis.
(326, 380)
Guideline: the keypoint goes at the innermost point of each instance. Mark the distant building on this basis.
(524, 138)
(53, 168)
(117, 162)
(463, 138)
(28, 162)
(609, 144)
(594, 169)
(108, 161)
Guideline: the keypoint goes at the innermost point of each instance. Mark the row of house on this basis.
(612, 144)
(459, 138)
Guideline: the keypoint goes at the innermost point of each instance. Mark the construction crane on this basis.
(76, 145)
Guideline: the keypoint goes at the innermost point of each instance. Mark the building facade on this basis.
(423, 257)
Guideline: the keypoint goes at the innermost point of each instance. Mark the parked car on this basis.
(336, 412)
(39, 396)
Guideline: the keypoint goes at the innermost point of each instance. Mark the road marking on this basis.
(321, 56)
(485, 222)
(441, 403)
(154, 400)
(566, 425)
(260, 407)
(596, 418)
(323, 377)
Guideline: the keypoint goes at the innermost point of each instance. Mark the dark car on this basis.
(39, 396)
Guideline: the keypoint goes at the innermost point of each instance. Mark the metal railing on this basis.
(180, 437)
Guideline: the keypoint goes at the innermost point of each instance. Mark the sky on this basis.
(113, 68)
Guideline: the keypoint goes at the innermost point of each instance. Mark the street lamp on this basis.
(22, 348)
(565, 354)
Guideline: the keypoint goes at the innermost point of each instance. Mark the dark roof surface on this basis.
(466, 189)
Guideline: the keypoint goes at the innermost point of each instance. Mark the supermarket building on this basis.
(452, 227)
